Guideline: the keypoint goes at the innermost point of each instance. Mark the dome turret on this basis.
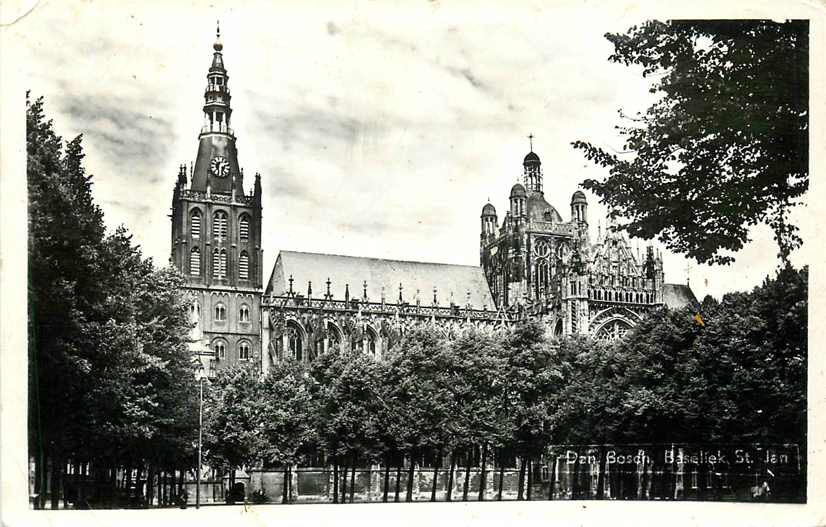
(531, 159)
(579, 207)
(518, 191)
(488, 210)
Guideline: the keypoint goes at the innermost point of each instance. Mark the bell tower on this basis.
(216, 232)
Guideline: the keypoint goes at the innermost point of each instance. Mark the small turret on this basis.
(489, 221)
(518, 200)
(579, 207)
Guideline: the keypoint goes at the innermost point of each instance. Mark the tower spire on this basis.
(217, 163)
(530, 138)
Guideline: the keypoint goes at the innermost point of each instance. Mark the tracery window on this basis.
(195, 261)
(220, 349)
(219, 263)
(195, 223)
(294, 343)
(220, 312)
(613, 330)
(244, 228)
(370, 341)
(244, 313)
(244, 351)
(244, 266)
(219, 225)
(333, 337)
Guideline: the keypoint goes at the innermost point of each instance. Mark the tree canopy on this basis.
(725, 145)
(110, 376)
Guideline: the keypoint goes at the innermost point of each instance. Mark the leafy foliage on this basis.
(110, 376)
(724, 147)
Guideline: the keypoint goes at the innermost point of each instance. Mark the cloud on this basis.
(123, 135)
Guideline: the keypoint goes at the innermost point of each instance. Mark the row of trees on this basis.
(110, 376)
(737, 373)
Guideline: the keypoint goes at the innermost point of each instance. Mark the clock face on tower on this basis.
(219, 166)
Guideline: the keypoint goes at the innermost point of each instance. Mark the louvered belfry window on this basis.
(219, 263)
(244, 228)
(219, 225)
(195, 224)
(244, 266)
(195, 261)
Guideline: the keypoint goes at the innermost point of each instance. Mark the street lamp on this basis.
(200, 376)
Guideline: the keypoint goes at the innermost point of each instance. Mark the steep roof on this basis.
(537, 207)
(676, 296)
(378, 273)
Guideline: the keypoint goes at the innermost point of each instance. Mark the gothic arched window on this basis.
(219, 263)
(294, 343)
(244, 266)
(244, 313)
(244, 228)
(244, 351)
(220, 312)
(220, 349)
(195, 261)
(195, 223)
(370, 341)
(219, 225)
(333, 336)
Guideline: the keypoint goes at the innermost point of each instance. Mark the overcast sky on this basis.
(377, 131)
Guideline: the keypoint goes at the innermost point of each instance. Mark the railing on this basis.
(218, 128)
(196, 195)
(382, 308)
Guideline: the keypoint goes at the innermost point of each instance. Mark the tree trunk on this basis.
(575, 479)
(398, 479)
(501, 477)
(285, 485)
(601, 475)
(468, 458)
(386, 479)
(482, 474)
(344, 484)
(150, 487)
(54, 490)
(63, 483)
(530, 479)
(353, 479)
(643, 494)
(410, 475)
(232, 485)
(38, 477)
(450, 476)
(435, 480)
(127, 485)
(162, 488)
(520, 495)
(335, 480)
(552, 477)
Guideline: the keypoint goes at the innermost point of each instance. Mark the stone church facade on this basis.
(533, 264)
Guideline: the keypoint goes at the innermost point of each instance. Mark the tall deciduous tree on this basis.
(232, 425)
(286, 411)
(725, 145)
(109, 366)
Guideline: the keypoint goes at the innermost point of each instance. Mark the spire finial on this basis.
(217, 46)
(530, 138)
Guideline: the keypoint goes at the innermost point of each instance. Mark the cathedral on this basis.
(533, 264)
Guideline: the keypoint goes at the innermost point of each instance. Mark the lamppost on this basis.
(200, 376)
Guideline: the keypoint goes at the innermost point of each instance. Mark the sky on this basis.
(379, 129)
